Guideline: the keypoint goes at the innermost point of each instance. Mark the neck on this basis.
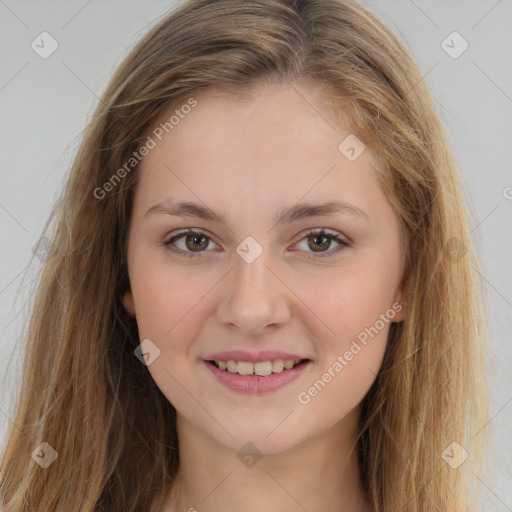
(319, 474)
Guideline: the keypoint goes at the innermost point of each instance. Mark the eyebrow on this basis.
(287, 215)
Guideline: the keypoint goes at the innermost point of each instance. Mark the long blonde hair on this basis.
(85, 393)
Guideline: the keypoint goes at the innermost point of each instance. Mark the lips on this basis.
(256, 372)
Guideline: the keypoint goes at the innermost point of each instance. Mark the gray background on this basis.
(45, 104)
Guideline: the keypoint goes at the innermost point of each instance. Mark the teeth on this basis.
(261, 369)
(245, 368)
(277, 365)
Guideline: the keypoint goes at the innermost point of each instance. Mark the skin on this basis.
(247, 160)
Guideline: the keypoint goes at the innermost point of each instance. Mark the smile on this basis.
(256, 377)
(261, 369)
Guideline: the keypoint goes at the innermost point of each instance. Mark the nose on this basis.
(254, 299)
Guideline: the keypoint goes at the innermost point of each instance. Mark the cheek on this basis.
(353, 356)
(167, 299)
(355, 300)
(170, 311)
(358, 309)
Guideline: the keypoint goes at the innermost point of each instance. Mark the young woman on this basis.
(260, 292)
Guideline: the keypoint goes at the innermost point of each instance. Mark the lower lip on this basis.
(255, 384)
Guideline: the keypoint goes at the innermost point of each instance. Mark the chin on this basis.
(268, 437)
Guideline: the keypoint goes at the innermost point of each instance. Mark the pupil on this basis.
(195, 238)
(315, 238)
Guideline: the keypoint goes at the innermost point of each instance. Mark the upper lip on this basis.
(253, 357)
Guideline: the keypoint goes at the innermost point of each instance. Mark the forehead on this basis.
(273, 123)
(275, 143)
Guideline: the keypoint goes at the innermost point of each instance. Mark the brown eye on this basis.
(196, 242)
(321, 241)
(188, 243)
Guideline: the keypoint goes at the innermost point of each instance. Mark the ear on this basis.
(403, 296)
(405, 291)
(128, 303)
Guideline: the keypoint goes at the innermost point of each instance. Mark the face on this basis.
(255, 284)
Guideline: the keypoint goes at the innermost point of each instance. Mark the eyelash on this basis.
(315, 233)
